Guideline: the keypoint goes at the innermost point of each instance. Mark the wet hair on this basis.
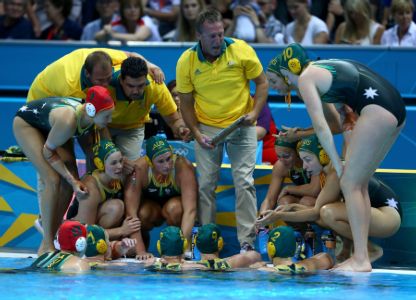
(66, 6)
(210, 16)
(133, 67)
(99, 58)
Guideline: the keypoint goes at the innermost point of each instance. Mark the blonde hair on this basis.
(398, 6)
(186, 31)
(362, 7)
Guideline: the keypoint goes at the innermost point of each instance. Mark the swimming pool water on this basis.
(132, 282)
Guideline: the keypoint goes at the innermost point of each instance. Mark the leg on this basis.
(308, 201)
(208, 168)
(48, 177)
(150, 214)
(110, 213)
(241, 148)
(129, 141)
(172, 211)
(371, 139)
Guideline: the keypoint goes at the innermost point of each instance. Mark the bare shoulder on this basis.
(280, 170)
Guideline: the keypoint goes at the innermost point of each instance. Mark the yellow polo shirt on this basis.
(221, 89)
(133, 114)
(66, 76)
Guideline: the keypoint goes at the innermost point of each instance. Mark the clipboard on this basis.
(226, 131)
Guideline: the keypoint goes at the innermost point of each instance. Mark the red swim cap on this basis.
(72, 236)
(98, 99)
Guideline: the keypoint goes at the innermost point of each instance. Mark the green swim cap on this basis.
(275, 64)
(294, 58)
(157, 145)
(96, 243)
(280, 142)
(102, 151)
(209, 239)
(171, 241)
(311, 144)
(281, 242)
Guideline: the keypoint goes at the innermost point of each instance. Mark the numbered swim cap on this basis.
(294, 58)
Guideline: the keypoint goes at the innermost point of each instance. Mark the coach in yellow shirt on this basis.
(74, 73)
(134, 93)
(213, 81)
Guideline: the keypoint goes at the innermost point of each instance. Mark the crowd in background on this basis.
(280, 22)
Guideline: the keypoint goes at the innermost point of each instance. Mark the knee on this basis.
(287, 200)
(307, 201)
(172, 212)
(149, 217)
(327, 214)
(117, 209)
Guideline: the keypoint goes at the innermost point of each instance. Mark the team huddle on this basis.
(103, 99)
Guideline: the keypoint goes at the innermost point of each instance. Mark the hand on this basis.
(258, 264)
(204, 141)
(80, 190)
(108, 29)
(250, 118)
(184, 133)
(289, 134)
(144, 255)
(128, 166)
(126, 244)
(130, 225)
(156, 73)
(266, 218)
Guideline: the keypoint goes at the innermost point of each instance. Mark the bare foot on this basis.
(353, 265)
(374, 251)
(43, 248)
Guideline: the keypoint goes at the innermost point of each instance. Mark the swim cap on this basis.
(98, 99)
(157, 145)
(171, 242)
(280, 142)
(311, 144)
(96, 243)
(294, 58)
(102, 151)
(275, 64)
(209, 239)
(281, 242)
(72, 236)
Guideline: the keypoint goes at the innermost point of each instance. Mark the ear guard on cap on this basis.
(220, 242)
(271, 250)
(90, 109)
(80, 244)
(323, 158)
(99, 164)
(184, 244)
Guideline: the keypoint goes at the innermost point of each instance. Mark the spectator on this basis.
(305, 28)
(242, 25)
(107, 10)
(404, 32)
(164, 12)
(335, 16)
(359, 28)
(62, 28)
(13, 24)
(133, 25)
(189, 11)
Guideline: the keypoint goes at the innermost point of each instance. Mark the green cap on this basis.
(294, 58)
(209, 239)
(281, 242)
(96, 241)
(311, 144)
(102, 151)
(171, 241)
(274, 65)
(157, 145)
(280, 142)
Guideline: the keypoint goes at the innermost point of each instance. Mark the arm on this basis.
(279, 173)
(186, 180)
(321, 38)
(330, 193)
(378, 35)
(63, 125)
(132, 199)
(311, 189)
(189, 116)
(260, 97)
(140, 34)
(176, 123)
(307, 86)
(87, 210)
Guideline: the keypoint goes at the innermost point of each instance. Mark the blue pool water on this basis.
(132, 282)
